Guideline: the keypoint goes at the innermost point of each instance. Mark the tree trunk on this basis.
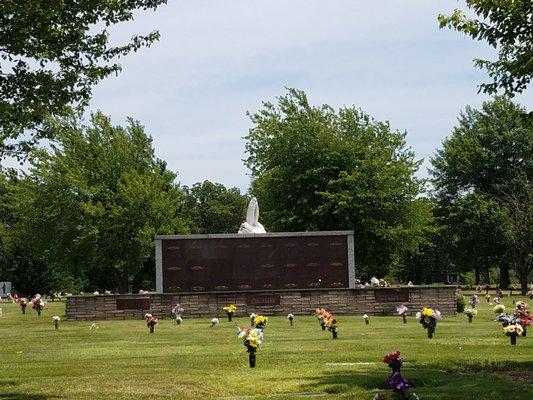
(505, 280)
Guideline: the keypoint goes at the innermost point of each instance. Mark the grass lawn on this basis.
(121, 360)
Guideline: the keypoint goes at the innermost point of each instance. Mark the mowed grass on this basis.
(121, 360)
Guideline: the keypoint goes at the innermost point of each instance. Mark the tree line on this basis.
(84, 214)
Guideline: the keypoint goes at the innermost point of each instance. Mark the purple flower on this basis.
(398, 383)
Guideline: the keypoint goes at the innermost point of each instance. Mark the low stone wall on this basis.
(373, 301)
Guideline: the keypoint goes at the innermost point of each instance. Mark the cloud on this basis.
(216, 60)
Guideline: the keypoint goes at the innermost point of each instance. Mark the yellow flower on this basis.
(428, 312)
(253, 339)
(230, 309)
(260, 320)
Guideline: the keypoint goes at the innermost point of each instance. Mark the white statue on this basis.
(252, 224)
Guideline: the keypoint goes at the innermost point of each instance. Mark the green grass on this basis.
(121, 360)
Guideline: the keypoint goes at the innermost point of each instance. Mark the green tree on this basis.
(506, 25)
(317, 169)
(92, 204)
(489, 154)
(51, 54)
(213, 208)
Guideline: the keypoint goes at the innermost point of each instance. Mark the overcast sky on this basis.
(218, 59)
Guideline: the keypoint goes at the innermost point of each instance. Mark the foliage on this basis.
(506, 25)
(317, 169)
(213, 208)
(52, 53)
(92, 203)
(483, 178)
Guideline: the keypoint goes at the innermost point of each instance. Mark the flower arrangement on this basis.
(499, 309)
(230, 311)
(474, 300)
(260, 322)
(459, 300)
(374, 281)
(251, 339)
(487, 297)
(252, 317)
(396, 382)
(56, 320)
(38, 304)
(176, 312)
(179, 320)
(394, 361)
(402, 311)
(331, 325)
(522, 315)
(470, 313)
(290, 317)
(365, 317)
(513, 331)
(23, 303)
(214, 322)
(428, 318)
(151, 321)
(321, 314)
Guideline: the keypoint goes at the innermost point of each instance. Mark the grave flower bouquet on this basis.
(428, 318)
(499, 309)
(251, 339)
(523, 317)
(470, 313)
(260, 322)
(290, 317)
(394, 361)
(38, 304)
(56, 320)
(402, 311)
(331, 325)
(322, 314)
(230, 311)
(513, 331)
(23, 303)
(151, 322)
(474, 300)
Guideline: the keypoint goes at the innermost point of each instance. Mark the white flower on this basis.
(147, 315)
(179, 320)
(437, 314)
(93, 327)
(374, 281)
(215, 321)
(365, 316)
(418, 315)
(401, 309)
(290, 315)
(96, 293)
(253, 315)
(56, 318)
(107, 292)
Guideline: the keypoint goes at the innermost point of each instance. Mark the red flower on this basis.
(391, 357)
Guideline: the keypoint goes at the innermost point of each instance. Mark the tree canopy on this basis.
(506, 25)
(51, 55)
(92, 204)
(317, 169)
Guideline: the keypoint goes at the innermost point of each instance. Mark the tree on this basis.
(51, 54)
(506, 25)
(213, 208)
(489, 154)
(92, 204)
(317, 169)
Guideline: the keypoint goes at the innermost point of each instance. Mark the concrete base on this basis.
(372, 301)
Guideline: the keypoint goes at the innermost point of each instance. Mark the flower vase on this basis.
(470, 319)
(230, 316)
(334, 334)
(513, 338)
(56, 323)
(323, 324)
(395, 369)
(39, 313)
(430, 333)
(151, 328)
(23, 310)
(291, 321)
(367, 321)
(524, 331)
(251, 358)
(404, 317)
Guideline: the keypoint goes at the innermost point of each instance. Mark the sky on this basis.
(217, 60)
